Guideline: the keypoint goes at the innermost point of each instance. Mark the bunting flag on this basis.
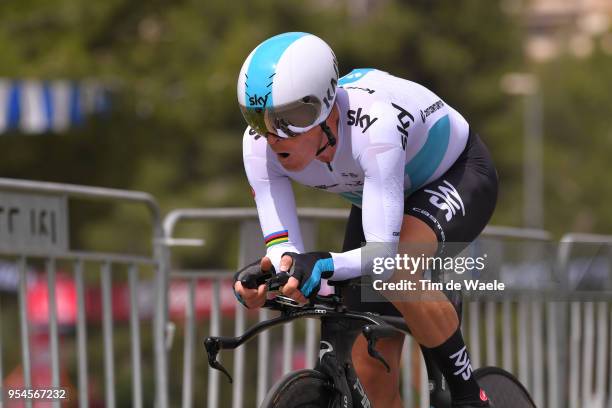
(32, 106)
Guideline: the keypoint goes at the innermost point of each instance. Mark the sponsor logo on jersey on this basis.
(462, 360)
(447, 199)
(368, 90)
(405, 119)
(354, 76)
(437, 225)
(356, 118)
(431, 109)
(349, 174)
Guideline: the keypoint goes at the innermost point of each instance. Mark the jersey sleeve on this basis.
(274, 199)
(382, 158)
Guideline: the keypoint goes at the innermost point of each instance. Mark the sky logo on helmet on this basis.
(258, 101)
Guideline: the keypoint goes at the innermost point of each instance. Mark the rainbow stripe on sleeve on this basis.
(276, 238)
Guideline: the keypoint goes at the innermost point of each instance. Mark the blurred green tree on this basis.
(578, 143)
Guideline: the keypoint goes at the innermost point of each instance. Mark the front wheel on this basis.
(502, 388)
(301, 389)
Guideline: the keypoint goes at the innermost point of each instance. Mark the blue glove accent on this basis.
(314, 281)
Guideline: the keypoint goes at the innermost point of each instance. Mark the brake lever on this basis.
(212, 348)
(372, 333)
(274, 282)
(253, 282)
(269, 278)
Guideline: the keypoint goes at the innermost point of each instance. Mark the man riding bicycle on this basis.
(408, 162)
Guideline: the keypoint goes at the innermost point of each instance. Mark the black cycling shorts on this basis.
(474, 178)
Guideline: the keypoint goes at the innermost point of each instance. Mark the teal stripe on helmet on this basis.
(426, 161)
(262, 68)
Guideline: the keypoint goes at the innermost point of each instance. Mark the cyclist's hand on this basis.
(253, 298)
(290, 289)
(306, 271)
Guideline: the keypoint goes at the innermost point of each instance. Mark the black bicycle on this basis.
(333, 382)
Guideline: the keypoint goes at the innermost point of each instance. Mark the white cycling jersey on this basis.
(394, 136)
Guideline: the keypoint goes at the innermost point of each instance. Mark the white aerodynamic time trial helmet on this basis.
(287, 85)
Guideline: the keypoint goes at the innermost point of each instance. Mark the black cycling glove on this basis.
(309, 268)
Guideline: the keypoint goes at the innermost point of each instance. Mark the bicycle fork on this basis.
(337, 338)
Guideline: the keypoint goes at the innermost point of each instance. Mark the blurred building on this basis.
(556, 27)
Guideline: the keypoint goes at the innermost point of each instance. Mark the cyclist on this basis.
(410, 165)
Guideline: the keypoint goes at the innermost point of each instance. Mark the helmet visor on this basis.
(286, 120)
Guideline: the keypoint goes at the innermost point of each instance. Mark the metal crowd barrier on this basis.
(590, 338)
(34, 228)
(559, 350)
(475, 325)
(557, 345)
